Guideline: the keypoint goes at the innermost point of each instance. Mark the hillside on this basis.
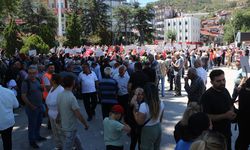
(203, 5)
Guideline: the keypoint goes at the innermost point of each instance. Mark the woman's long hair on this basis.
(152, 99)
(191, 109)
(209, 140)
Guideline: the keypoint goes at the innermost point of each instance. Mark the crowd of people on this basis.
(128, 85)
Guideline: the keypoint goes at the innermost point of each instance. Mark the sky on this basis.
(144, 2)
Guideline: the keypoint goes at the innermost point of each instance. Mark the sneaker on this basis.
(40, 139)
(34, 145)
(177, 95)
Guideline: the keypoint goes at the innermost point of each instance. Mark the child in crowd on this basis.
(113, 129)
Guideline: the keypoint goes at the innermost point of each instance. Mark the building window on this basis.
(186, 30)
(180, 30)
(186, 22)
(180, 23)
(186, 38)
(168, 24)
(180, 38)
(174, 23)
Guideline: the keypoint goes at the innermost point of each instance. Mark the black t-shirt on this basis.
(138, 79)
(244, 105)
(214, 102)
(151, 74)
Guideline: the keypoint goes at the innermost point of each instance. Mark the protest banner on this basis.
(244, 61)
(32, 52)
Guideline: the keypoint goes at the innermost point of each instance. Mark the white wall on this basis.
(187, 28)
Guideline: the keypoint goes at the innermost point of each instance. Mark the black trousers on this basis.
(7, 138)
(90, 102)
(178, 84)
(229, 143)
(135, 137)
(243, 142)
(111, 147)
(106, 109)
(124, 102)
(171, 82)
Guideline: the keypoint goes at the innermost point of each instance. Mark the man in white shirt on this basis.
(8, 101)
(89, 82)
(201, 72)
(122, 79)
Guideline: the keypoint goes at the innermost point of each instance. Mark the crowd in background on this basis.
(128, 84)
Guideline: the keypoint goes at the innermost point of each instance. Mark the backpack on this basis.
(29, 85)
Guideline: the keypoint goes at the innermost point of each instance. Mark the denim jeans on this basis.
(34, 122)
(162, 79)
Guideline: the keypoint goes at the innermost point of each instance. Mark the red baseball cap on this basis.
(117, 109)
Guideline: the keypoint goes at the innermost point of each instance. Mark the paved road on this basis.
(93, 138)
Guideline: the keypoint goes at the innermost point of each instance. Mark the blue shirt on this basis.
(122, 84)
(183, 145)
(97, 71)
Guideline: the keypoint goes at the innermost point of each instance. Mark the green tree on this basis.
(240, 21)
(170, 35)
(48, 26)
(245, 28)
(34, 42)
(143, 17)
(73, 30)
(38, 20)
(123, 15)
(11, 39)
(229, 33)
(8, 7)
(94, 39)
(95, 19)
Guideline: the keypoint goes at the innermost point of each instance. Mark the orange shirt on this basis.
(45, 92)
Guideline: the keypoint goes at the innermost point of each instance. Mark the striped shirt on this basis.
(108, 89)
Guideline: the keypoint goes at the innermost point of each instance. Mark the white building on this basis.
(187, 29)
(162, 12)
(114, 3)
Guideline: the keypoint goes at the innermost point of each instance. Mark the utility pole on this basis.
(59, 6)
